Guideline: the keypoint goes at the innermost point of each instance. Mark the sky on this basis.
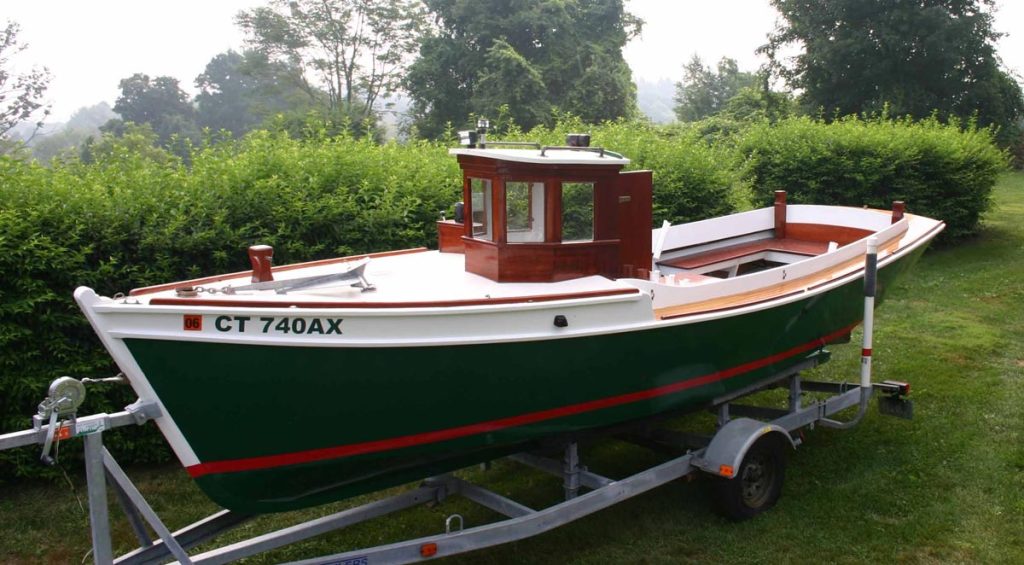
(90, 45)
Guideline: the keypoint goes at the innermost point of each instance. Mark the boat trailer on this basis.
(745, 455)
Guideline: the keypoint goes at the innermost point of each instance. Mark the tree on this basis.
(84, 123)
(119, 139)
(756, 103)
(704, 92)
(568, 54)
(860, 56)
(509, 79)
(159, 102)
(20, 94)
(238, 91)
(356, 50)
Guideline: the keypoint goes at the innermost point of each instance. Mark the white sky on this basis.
(89, 46)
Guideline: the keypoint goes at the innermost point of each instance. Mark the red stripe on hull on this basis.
(269, 461)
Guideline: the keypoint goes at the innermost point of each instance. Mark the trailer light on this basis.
(428, 550)
(726, 471)
(900, 388)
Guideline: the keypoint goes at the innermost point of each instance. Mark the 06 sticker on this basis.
(193, 323)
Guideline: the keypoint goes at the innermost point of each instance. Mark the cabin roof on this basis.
(550, 156)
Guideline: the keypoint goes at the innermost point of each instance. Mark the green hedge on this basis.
(939, 170)
(137, 216)
(129, 220)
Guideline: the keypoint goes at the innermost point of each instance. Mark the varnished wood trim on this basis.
(780, 214)
(898, 209)
(280, 269)
(854, 273)
(229, 303)
(825, 233)
(449, 237)
(798, 247)
(775, 291)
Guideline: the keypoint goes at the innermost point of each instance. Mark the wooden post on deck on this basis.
(898, 207)
(261, 257)
(780, 214)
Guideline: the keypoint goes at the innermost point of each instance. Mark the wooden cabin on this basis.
(550, 214)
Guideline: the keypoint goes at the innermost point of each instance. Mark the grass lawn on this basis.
(945, 487)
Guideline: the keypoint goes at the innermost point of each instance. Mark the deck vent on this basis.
(578, 140)
(561, 322)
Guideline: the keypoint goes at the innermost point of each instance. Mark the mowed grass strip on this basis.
(945, 487)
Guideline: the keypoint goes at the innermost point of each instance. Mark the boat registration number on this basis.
(268, 325)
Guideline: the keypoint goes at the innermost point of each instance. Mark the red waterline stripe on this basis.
(268, 461)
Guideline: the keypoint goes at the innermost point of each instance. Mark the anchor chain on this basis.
(353, 276)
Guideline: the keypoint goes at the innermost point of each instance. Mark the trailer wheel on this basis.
(758, 481)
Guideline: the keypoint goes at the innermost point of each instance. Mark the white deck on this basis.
(426, 276)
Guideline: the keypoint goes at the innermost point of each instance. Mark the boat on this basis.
(551, 308)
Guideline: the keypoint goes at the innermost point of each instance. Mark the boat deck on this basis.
(687, 285)
(414, 278)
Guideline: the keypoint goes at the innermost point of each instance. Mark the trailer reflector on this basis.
(726, 471)
(428, 549)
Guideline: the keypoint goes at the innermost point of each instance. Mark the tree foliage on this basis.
(511, 80)
(159, 102)
(704, 91)
(860, 56)
(353, 51)
(238, 91)
(755, 103)
(532, 57)
(65, 142)
(20, 94)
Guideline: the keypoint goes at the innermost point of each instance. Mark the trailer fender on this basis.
(730, 444)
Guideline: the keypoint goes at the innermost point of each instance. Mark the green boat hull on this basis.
(279, 428)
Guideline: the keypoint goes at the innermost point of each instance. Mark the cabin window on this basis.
(524, 211)
(480, 190)
(577, 211)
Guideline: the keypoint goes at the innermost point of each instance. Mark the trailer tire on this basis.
(757, 485)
